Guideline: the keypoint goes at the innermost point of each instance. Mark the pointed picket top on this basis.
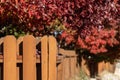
(9, 58)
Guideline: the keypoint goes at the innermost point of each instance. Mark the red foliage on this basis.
(96, 43)
(95, 23)
(89, 24)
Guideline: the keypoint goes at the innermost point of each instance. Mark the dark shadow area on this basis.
(91, 62)
(21, 48)
(19, 65)
(38, 47)
(79, 58)
(1, 71)
(1, 48)
(38, 71)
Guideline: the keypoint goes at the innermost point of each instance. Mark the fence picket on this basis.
(9, 58)
(72, 64)
(29, 58)
(66, 68)
(52, 58)
(44, 57)
(101, 66)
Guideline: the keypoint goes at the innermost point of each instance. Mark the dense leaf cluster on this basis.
(91, 25)
(94, 25)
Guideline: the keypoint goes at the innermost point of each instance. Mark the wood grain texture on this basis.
(29, 58)
(10, 58)
(52, 58)
(44, 57)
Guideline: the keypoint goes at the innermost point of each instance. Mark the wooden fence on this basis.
(29, 58)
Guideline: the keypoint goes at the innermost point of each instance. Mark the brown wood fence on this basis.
(29, 58)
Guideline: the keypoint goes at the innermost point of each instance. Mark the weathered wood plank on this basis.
(72, 64)
(66, 73)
